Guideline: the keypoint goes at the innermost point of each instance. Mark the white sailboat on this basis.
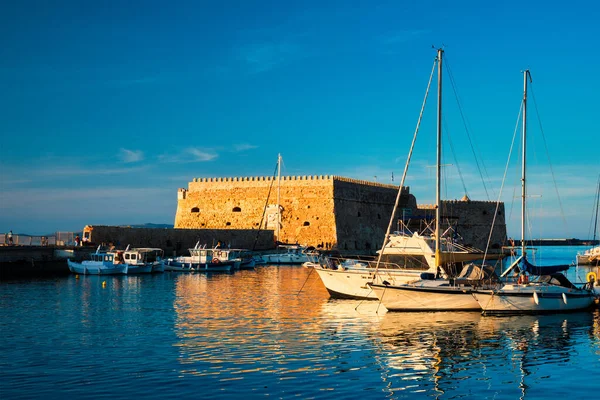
(285, 253)
(406, 257)
(436, 291)
(551, 291)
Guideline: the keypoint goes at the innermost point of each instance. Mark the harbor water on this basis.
(273, 332)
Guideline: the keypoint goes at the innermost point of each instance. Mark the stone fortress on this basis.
(329, 212)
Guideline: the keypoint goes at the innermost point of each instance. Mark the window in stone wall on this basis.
(195, 210)
(203, 224)
(228, 224)
(236, 209)
(306, 223)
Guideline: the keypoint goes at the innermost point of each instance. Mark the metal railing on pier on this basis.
(60, 239)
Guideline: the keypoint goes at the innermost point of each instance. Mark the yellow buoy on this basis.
(76, 276)
(591, 277)
(103, 283)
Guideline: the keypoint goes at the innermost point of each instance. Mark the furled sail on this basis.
(526, 266)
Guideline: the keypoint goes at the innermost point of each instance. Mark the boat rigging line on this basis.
(562, 212)
(512, 145)
(465, 123)
(412, 146)
(265, 208)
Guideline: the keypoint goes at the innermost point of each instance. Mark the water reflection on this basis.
(461, 354)
(249, 322)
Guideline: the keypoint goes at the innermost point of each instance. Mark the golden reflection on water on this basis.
(246, 321)
(234, 326)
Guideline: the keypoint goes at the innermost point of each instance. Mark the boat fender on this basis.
(591, 277)
(216, 260)
(564, 296)
(536, 298)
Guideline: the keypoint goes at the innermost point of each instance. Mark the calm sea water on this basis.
(274, 332)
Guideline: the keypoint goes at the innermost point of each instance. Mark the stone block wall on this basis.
(329, 211)
(251, 203)
(472, 220)
(179, 240)
(362, 213)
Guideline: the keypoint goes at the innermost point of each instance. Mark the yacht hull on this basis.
(426, 296)
(353, 283)
(533, 299)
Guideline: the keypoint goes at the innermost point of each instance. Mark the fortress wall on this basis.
(474, 219)
(239, 203)
(349, 214)
(363, 211)
(178, 240)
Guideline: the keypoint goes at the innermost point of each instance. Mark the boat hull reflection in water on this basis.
(273, 332)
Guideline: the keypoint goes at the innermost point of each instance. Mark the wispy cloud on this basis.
(202, 155)
(243, 147)
(265, 56)
(131, 156)
(189, 155)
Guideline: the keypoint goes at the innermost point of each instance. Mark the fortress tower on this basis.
(329, 211)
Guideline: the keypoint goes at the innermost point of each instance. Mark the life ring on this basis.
(216, 260)
(591, 277)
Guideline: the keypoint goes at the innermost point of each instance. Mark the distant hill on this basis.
(149, 225)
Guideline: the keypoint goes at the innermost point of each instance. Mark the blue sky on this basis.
(108, 107)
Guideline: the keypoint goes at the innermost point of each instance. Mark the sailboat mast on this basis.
(597, 205)
(523, 165)
(438, 187)
(278, 196)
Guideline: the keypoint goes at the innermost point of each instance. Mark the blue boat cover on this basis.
(526, 266)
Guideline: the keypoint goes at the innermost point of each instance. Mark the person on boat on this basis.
(9, 236)
(119, 257)
(77, 240)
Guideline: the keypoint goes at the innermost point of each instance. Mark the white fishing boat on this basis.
(537, 289)
(200, 259)
(141, 260)
(241, 258)
(416, 258)
(102, 262)
(287, 254)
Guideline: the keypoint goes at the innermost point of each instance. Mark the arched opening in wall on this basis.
(358, 214)
(195, 210)
(306, 223)
(236, 209)
(307, 206)
(203, 224)
(228, 224)
(256, 224)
